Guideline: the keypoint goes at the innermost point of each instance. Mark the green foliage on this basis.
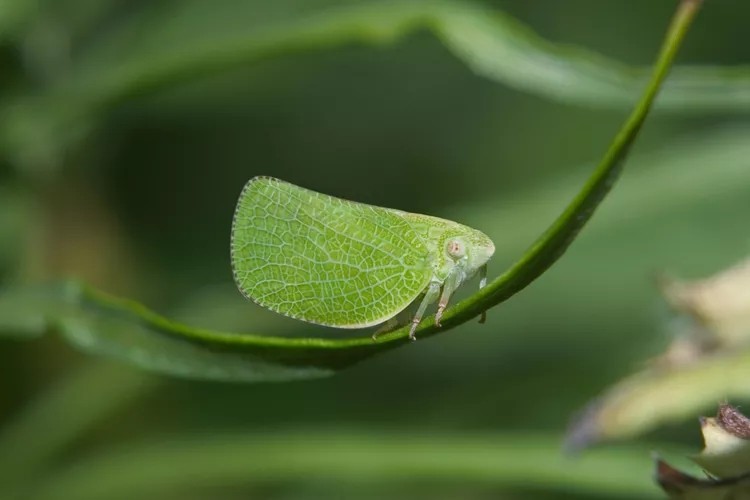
(129, 331)
(367, 459)
(128, 129)
(163, 46)
(62, 416)
(711, 341)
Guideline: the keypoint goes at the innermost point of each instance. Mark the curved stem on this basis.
(557, 238)
(115, 327)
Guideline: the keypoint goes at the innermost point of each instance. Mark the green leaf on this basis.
(556, 239)
(509, 460)
(102, 324)
(496, 46)
(167, 45)
(712, 163)
(61, 415)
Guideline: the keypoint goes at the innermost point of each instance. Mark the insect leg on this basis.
(387, 327)
(451, 283)
(433, 291)
(482, 284)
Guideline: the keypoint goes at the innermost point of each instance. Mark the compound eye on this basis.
(456, 249)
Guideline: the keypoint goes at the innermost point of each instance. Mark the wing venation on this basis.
(322, 259)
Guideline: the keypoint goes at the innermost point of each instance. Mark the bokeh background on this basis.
(134, 194)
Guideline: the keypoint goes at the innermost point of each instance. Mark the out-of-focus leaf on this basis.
(714, 164)
(168, 44)
(171, 43)
(551, 245)
(14, 16)
(681, 486)
(720, 304)
(61, 415)
(15, 219)
(26, 312)
(511, 460)
(499, 47)
(678, 385)
(725, 456)
(662, 394)
(127, 330)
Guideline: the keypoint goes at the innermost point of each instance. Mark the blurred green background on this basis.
(121, 163)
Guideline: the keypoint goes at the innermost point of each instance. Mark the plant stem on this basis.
(102, 324)
(557, 238)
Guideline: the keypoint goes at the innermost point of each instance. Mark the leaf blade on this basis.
(285, 359)
(502, 460)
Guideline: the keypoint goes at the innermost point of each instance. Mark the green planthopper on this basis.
(344, 264)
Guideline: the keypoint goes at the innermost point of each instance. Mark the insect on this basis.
(344, 264)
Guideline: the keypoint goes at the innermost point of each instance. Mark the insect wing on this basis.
(322, 259)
